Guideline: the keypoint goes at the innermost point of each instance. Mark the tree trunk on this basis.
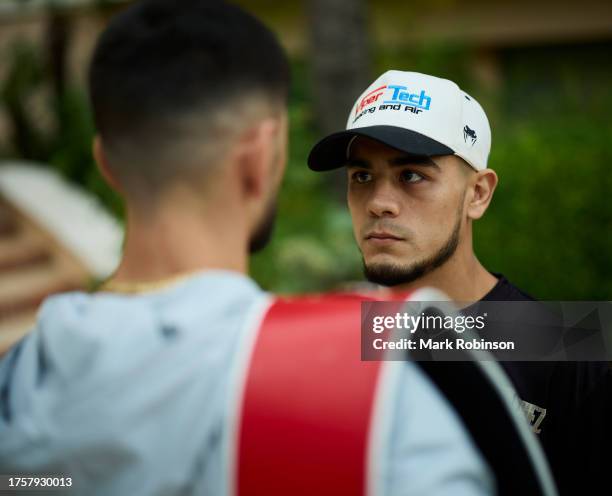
(340, 57)
(58, 39)
(340, 64)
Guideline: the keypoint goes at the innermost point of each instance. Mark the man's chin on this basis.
(387, 274)
(384, 260)
(390, 271)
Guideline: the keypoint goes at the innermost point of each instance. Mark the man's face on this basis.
(407, 212)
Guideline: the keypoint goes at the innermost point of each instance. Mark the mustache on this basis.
(385, 226)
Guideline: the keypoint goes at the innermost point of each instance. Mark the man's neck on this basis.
(177, 243)
(462, 278)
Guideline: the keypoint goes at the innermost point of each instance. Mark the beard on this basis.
(396, 274)
(262, 235)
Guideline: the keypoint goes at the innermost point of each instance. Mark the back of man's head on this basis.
(173, 83)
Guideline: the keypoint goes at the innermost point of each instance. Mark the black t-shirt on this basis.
(569, 405)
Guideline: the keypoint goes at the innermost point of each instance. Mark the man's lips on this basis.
(382, 237)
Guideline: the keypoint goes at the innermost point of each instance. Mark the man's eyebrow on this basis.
(355, 162)
(401, 160)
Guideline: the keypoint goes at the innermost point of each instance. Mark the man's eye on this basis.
(410, 177)
(361, 177)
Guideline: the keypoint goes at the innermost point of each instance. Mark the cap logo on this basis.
(400, 95)
(369, 98)
(398, 98)
(469, 133)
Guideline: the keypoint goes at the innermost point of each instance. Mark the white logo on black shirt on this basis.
(535, 414)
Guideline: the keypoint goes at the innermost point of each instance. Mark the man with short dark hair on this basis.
(134, 389)
(416, 149)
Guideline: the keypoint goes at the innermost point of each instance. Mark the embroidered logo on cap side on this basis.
(469, 133)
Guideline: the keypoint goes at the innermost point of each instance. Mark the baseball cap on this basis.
(415, 113)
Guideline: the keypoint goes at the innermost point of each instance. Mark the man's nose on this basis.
(383, 201)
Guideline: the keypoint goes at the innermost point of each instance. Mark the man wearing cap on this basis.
(415, 150)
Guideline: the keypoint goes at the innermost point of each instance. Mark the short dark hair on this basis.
(159, 61)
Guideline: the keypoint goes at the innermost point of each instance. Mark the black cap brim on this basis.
(330, 152)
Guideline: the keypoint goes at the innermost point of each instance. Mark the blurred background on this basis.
(541, 70)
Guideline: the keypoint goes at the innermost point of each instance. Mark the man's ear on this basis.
(255, 156)
(100, 158)
(482, 189)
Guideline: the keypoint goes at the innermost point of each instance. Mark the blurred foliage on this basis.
(24, 77)
(548, 229)
(549, 226)
(65, 143)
